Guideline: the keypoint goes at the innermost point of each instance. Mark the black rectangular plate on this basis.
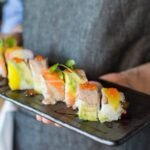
(111, 134)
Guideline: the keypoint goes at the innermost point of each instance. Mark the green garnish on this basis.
(10, 42)
(70, 63)
(1, 43)
(70, 69)
(60, 74)
(54, 68)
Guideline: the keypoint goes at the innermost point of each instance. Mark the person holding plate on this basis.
(103, 37)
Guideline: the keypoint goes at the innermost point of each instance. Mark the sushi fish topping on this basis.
(53, 76)
(88, 86)
(18, 60)
(9, 51)
(89, 92)
(54, 88)
(39, 58)
(113, 96)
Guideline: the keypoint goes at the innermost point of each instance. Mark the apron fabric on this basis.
(102, 36)
(7, 126)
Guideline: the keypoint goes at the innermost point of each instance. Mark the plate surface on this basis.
(113, 133)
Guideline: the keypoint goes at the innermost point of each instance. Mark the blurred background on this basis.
(1, 104)
(2, 2)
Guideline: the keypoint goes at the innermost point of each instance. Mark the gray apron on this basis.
(102, 36)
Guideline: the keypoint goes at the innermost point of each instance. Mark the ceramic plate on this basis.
(113, 133)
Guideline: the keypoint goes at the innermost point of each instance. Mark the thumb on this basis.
(118, 78)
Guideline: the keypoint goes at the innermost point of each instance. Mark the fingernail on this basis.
(46, 121)
(38, 118)
(57, 125)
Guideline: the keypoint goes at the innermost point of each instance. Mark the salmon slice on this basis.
(8, 51)
(54, 89)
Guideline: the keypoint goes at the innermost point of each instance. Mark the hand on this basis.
(137, 78)
(46, 121)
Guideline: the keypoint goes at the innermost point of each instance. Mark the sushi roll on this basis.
(3, 70)
(53, 88)
(72, 79)
(19, 53)
(111, 105)
(8, 51)
(37, 66)
(6, 46)
(19, 74)
(88, 100)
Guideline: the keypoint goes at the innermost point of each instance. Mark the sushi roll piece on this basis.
(88, 100)
(3, 70)
(7, 44)
(37, 66)
(19, 53)
(111, 105)
(53, 88)
(72, 79)
(19, 74)
(8, 51)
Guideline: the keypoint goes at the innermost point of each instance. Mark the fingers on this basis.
(46, 121)
(119, 78)
(38, 118)
(137, 78)
(110, 77)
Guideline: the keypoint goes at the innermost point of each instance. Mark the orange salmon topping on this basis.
(88, 86)
(55, 80)
(112, 92)
(113, 96)
(18, 60)
(9, 50)
(39, 58)
(51, 76)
